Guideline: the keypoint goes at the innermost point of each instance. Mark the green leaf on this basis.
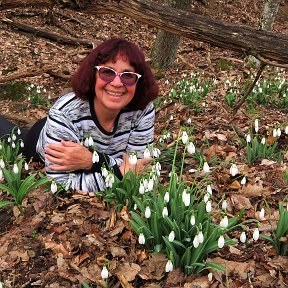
(5, 203)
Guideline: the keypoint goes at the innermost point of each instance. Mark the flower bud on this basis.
(196, 242)
(221, 242)
(224, 205)
(243, 237)
(209, 189)
(256, 234)
(15, 169)
(208, 207)
(141, 239)
(147, 212)
(233, 170)
(192, 220)
(224, 222)
(262, 214)
(206, 167)
(167, 197)
(165, 212)
(191, 148)
(171, 236)
(248, 138)
(256, 125)
(200, 237)
(243, 181)
(185, 137)
(169, 266)
(104, 273)
(53, 187)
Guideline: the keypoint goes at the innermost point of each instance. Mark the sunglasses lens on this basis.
(127, 78)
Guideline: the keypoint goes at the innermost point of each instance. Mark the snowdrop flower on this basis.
(206, 167)
(21, 144)
(206, 198)
(2, 164)
(165, 212)
(166, 82)
(224, 222)
(104, 273)
(150, 184)
(90, 141)
(256, 234)
(200, 237)
(95, 157)
(171, 236)
(192, 220)
(208, 206)
(0, 146)
(141, 188)
(13, 145)
(169, 266)
(256, 125)
(53, 187)
(147, 212)
(248, 138)
(233, 170)
(189, 121)
(243, 237)
(141, 239)
(210, 277)
(263, 141)
(171, 117)
(104, 172)
(286, 130)
(146, 154)
(158, 166)
(221, 242)
(209, 190)
(224, 205)
(196, 242)
(156, 152)
(167, 197)
(15, 169)
(184, 137)
(135, 207)
(262, 214)
(132, 159)
(191, 148)
(278, 132)
(9, 139)
(110, 179)
(26, 166)
(274, 133)
(86, 142)
(243, 181)
(1, 174)
(13, 137)
(186, 198)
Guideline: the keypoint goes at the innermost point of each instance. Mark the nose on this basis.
(116, 81)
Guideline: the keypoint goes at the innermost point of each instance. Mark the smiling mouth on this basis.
(116, 94)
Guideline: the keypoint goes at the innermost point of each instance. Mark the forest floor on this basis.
(63, 241)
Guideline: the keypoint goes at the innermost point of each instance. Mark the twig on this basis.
(250, 88)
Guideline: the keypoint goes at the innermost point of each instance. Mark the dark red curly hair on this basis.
(83, 81)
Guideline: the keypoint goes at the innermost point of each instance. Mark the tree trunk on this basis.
(166, 44)
(266, 46)
(268, 15)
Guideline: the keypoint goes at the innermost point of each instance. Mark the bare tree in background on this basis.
(166, 44)
(268, 15)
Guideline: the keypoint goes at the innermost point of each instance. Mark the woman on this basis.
(110, 111)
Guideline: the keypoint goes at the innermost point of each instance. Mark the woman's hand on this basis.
(138, 168)
(68, 156)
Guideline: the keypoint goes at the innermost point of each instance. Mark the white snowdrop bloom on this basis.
(171, 236)
(26, 167)
(147, 212)
(86, 142)
(274, 133)
(141, 188)
(13, 137)
(189, 121)
(132, 159)
(248, 138)
(156, 152)
(210, 277)
(169, 266)
(256, 127)
(243, 181)
(263, 141)
(1, 146)
(224, 204)
(166, 82)
(192, 220)
(221, 242)
(158, 166)
(260, 90)
(21, 144)
(141, 239)
(15, 169)
(165, 212)
(286, 130)
(13, 145)
(160, 140)
(209, 189)
(208, 206)
(262, 214)
(278, 132)
(90, 141)
(167, 197)
(109, 180)
(206, 198)
(224, 222)
(243, 237)
(150, 184)
(9, 139)
(196, 242)
(256, 234)
(191, 148)
(53, 187)
(184, 137)
(104, 273)
(200, 237)
(186, 198)
(104, 172)
(192, 170)
(168, 135)
(95, 157)
(135, 207)
(1, 174)
(29, 98)
(206, 167)
(44, 90)
(2, 164)
(233, 170)
(18, 131)
(145, 183)
(171, 117)
(146, 154)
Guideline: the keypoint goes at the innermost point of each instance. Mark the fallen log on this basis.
(269, 46)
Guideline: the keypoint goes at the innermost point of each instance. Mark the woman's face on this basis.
(113, 96)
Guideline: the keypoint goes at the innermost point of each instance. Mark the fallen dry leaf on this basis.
(130, 270)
